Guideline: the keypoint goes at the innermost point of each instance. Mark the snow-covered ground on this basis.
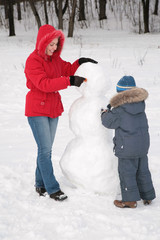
(85, 215)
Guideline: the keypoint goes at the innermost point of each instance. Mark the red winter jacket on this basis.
(47, 75)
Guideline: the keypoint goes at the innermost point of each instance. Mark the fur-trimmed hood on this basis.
(45, 35)
(134, 95)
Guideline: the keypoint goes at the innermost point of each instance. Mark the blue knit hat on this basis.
(125, 83)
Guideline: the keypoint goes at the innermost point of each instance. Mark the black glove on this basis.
(84, 60)
(109, 106)
(76, 81)
(103, 111)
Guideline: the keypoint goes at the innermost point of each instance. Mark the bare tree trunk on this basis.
(24, 5)
(96, 5)
(19, 10)
(59, 14)
(49, 3)
(145, 4)
(45, 11)
(65, 7)
(6, 9)
(71, 18)
(56, 7)
(140, 28)
(11, 18)
(60, 10)
(102, 10)
(156, 7)
(60, 20)
(31, 2)
(81, 11)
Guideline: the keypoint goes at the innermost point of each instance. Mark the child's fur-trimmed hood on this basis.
(133, 95)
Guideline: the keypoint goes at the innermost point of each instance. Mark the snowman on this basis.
(88, 161)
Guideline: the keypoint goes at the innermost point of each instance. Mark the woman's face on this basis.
(52, 47)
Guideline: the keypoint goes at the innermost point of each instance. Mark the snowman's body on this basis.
(88, 159)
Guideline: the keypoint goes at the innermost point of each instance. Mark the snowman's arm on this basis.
(111, 119)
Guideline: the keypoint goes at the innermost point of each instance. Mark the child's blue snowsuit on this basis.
(131, 143)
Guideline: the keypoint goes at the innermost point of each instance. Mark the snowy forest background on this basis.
(142, 15)
(123, 44)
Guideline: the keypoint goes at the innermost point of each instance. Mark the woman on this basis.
(46, 74)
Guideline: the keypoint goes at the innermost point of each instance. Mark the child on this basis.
(131, 142)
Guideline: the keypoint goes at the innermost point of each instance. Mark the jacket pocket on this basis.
(58, 107)
(145, 142)
(41, 106)
(118, 146)
(131, 146)
(136, 145)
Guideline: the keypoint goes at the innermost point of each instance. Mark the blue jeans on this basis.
(44, 129)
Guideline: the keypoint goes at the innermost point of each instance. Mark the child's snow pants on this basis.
(135, 179)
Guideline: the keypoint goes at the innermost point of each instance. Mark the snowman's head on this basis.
(97, 82)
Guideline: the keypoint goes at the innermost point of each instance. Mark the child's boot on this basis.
(147, 202)
(122, 204)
